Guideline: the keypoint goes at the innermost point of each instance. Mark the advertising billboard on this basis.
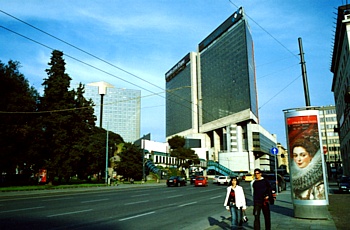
(307, 166)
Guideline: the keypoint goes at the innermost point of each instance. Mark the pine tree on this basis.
(58, 121)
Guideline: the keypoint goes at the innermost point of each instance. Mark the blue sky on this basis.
(146, 38)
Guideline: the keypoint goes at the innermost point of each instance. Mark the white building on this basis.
(121, 110)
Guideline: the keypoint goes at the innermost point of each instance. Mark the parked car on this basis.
(201, 181)
(176, 181)
(248, 177)
(286, 177)
(344, 184)
(281, 183)
(215, 179)
(192, 179)
(223, 180)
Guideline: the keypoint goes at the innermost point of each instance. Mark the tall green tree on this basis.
(18, 101)
(84, 127)
(59, 121)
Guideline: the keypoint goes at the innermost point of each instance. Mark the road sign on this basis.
(274, 151)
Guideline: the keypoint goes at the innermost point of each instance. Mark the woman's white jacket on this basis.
(239, 195)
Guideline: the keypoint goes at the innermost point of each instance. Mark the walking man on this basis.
(262, 197)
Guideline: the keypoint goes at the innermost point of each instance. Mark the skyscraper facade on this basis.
(121, 110)
(340, 84)
(227, 71)
(181, 97)
(221, 106)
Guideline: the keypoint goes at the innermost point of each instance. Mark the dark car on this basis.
(344, 184)
(192, 179)
(176, 181)
(281, 183)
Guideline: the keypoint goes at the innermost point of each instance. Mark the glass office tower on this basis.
(216, 86)
(227, 71)
(121, 110)
(181, 97)
(220, 107)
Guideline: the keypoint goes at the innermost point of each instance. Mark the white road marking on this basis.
(91, 201)
(139, 195)
(65, 198)
(22, 209)
(214, 197)
(187, 204)
(140, 215)
(174, 196)
(69, 213)
(143, 201)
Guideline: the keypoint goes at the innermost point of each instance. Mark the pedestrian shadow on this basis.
(282, 210)
(219, 223)
(287, 202)
(225, 223)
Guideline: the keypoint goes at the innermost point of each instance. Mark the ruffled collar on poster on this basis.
(304, 178)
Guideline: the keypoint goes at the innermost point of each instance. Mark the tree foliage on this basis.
(130, 165)
(176, 142)
(55, 131)
(185, 156)
(18, 101)
(73, 145)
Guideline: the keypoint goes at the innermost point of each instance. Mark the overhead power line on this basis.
(75, 47)
(280, 91)
(280, 43)
(94, 56)
(78, 60)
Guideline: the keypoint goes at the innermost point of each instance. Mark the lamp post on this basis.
(102, 90)
(106, 174)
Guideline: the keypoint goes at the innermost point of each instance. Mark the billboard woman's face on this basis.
(301, 157)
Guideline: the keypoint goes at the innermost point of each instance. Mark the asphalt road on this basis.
(134, 207)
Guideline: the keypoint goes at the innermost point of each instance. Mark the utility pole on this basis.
(303, 71)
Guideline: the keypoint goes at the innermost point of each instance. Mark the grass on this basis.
(72, 184)
(43, 187)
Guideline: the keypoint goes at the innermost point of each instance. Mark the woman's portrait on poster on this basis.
(307, 173)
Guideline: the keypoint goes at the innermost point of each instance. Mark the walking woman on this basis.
(235, 202)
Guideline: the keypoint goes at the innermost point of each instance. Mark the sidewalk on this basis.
(282, 217)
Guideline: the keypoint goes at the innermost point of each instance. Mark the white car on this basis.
(215, 179)
(223, 180)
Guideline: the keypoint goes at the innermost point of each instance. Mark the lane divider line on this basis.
(174, 196)
(140, 195)
(214, 197)
(143, 201)
(140, 215)
(91, 201)
(69, 213)
(182, 205)
(22, 209)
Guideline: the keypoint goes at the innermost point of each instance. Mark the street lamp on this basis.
(102, 90)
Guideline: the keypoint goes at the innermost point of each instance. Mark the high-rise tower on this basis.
(212, 96)
(121, 110)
